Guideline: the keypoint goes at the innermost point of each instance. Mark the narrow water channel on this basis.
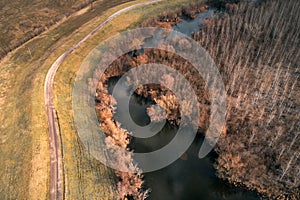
(187, 25)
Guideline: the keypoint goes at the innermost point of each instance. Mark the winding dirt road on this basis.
(56, 168)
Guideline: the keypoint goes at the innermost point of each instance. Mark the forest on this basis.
(255, 46)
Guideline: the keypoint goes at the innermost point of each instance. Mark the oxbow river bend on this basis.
(188, 178)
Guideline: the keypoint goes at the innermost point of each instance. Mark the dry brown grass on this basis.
(22, 20)
(24, 134)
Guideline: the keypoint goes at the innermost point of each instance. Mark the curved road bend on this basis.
(56, 168)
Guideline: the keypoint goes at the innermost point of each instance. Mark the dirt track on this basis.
(56, 168)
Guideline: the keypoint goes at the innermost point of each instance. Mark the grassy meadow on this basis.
(21, 20)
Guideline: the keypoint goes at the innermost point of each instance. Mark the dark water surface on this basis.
(187, 26)
(188, 178)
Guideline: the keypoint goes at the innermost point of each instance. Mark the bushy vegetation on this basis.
(173, 16)
(130, 185)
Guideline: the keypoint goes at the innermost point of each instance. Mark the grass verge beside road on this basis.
(24, 147)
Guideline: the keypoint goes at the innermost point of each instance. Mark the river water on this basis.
(188, 178)
(187, 26)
